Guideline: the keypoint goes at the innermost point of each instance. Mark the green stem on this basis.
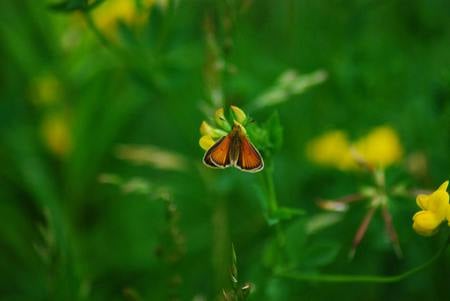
(361, 278)
(272, 206)
(272, 202)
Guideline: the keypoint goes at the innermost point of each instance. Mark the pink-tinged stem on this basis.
(415, 192)
(361, 161)
(340, 204)
(361, 231)
(350, 198)
(391, 231)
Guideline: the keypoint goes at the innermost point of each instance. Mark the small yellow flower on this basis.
(331, 149)
(381, 147)
(107, 14)
(56, 134)
(435, 209)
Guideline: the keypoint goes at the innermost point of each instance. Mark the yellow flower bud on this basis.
(219, 117)
(239, 115)
(241, 126)
(207, 129)
(206, 142)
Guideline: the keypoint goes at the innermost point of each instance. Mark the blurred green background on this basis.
(102, 192)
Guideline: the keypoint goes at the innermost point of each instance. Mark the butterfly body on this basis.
(234, 149)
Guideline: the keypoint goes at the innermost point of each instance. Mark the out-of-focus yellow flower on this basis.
(56, 134)
(331, 149)
(108, 13)
(380, 148)
(435, 209)
(46, 90)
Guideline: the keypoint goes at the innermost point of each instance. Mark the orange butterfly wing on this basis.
(249, 158)
(218, 154)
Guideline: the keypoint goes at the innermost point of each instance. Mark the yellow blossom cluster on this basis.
(381, 147)
(210, 134)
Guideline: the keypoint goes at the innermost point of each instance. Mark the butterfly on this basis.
(234, 149)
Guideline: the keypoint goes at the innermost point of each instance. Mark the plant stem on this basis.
(272, 202)
(361, 231)
(362, 278)
(272, 206)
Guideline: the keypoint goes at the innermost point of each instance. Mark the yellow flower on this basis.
(435, 209)
(380, 148)
(56, 134)
(331, 149)
(108, 13)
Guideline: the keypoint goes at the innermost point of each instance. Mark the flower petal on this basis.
(422, 201)
(239, 115)
(443, 186)
(438, 202)
(207, 130)
(219, 117)
(206, 142)
(426, 223)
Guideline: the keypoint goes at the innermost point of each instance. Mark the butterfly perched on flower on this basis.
(231, 149)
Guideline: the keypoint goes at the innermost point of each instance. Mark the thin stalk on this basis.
(272, 206)
(362, 278)
(361, 231)
(393, 236)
